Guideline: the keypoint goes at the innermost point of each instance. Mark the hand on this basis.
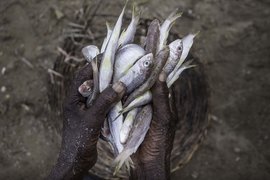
(81, 128)
(152, 160)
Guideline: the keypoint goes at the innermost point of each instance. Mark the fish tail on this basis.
(174, 15)
(123, 157)
(136, 12)
(185, 66)
(109, 28)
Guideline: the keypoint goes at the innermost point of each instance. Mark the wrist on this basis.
(75, 159)
(156, 169)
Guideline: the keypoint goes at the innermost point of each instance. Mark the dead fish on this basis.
(86, 89)
(166, 27)
(138, 73)
(115, 123)
(127, 125)
(127, 36)
(125, 58)
(106, 67)
(161, 59)
(137, 135)
(90, 52)
(105, 42)
(176, 48)
(152, 38)
(139, 101)
(95, 92)
(185, 66)
(187, 43)
(106, 136)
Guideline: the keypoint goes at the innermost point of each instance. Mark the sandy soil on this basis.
(233, 44)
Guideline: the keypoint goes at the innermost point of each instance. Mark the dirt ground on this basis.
(233, 44)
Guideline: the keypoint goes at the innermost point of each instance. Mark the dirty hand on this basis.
(81, 128)
(152, 160)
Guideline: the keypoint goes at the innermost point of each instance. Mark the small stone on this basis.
(195, 175)
(237, 159)
(1, 53)
(28, 154)
(25, 107)
(3, 89)
(3, 71)
(237, 150)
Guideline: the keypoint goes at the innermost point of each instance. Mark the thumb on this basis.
(108, 98)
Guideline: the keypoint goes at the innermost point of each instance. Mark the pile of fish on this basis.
(137, 66)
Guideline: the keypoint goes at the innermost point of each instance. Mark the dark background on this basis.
(233, 44)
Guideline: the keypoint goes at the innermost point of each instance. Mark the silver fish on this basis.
(137, 135)
(126, 56)
(187, 43)
(127, 36)
(185, 66)
(176, 48)
(139, 101)
(106, 67)
(138, 73)
(93, 97)
(127, 125)
(105, 42)
(89, 52)
(166, 27)
(115, 123)
(86, 89)
(161, 59)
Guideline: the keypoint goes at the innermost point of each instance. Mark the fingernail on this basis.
(162, 76)
(118, 87)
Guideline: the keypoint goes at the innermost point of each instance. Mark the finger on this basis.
(74, 97)
(108, 98)
(161, 106)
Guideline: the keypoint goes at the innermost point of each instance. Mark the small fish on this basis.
(187, 43)
(166, 27)
(161, 59)
(139, 101)
(90, 52)
(106, 136)
(138, 73)
(176, 48)
(86, 89)
(115, 123)
(137, 135)
(185, 66)
(105, 42)
(127, 125)
(106, 67)
(93, 97)
(127, 36)
(152, 38)
(125, 58)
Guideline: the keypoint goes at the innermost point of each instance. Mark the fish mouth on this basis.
(84, 88)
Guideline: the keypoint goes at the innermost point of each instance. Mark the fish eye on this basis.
(179, 48)
(146, 63)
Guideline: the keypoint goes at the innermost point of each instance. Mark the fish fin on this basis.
(185, 66)
(136, 12)
(174, 15)
(122, 158)
(109, 28)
